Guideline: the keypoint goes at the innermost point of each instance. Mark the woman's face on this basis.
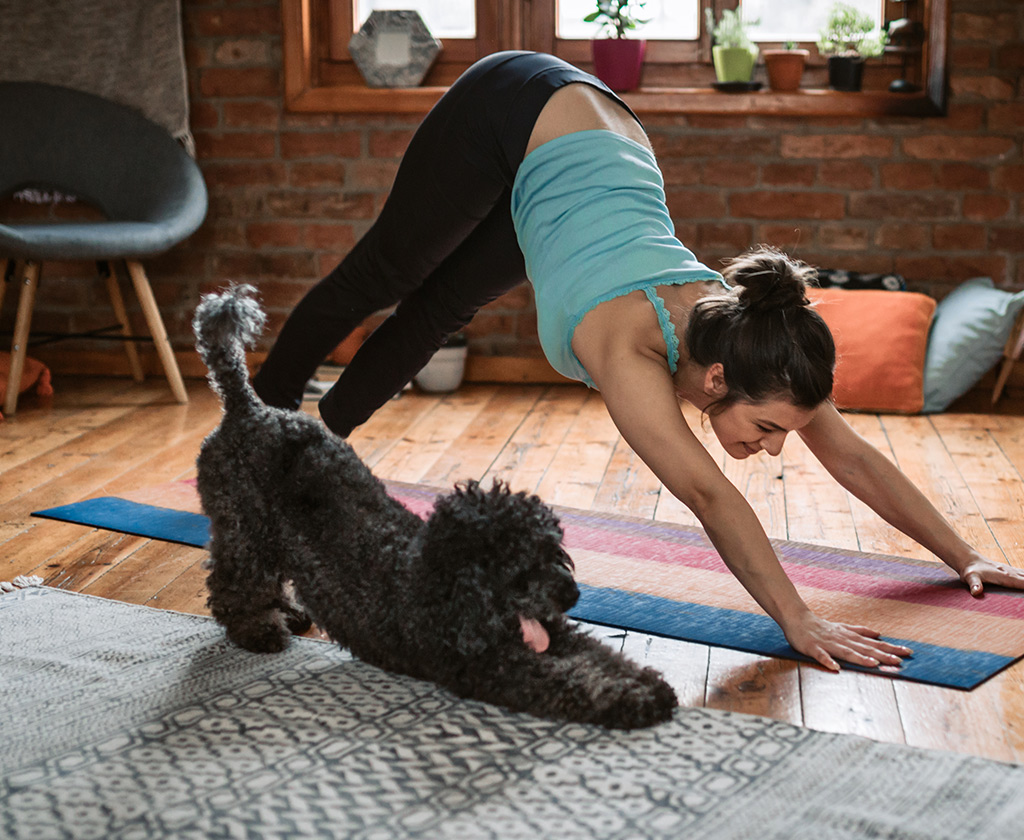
(745, 428)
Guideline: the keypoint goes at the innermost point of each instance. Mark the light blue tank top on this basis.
(590, 215)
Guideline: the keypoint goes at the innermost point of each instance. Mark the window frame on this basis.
(320, 78)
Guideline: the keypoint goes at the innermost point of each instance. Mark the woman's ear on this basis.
(714, 381)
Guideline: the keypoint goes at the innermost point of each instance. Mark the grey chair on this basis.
(145, 184)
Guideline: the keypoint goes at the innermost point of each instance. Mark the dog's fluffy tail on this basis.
(224, 324)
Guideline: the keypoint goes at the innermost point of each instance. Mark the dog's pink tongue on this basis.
(534, 634)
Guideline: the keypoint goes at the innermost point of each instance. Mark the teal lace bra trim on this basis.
(667, 330)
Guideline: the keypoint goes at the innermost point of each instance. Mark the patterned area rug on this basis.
(656, 577)
(129, 722)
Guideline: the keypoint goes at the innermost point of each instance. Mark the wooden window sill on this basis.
(357, 98)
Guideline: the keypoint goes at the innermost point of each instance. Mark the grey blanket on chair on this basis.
(129, 51)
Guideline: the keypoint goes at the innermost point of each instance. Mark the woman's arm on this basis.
(880, 484)
(641, 401)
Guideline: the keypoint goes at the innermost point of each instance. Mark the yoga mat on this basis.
(123, 721)
(668, 580)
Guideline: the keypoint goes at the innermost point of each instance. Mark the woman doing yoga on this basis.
(530, 168)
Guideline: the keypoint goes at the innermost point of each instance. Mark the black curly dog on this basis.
(447, 600)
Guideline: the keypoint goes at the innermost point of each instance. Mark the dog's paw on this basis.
(296, 620)
(265, 637)
(642, 702)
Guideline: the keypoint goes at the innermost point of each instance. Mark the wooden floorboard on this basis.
(110, 436)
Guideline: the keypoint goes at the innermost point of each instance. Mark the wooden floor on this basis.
(108, 436)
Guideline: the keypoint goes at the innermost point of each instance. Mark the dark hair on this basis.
(769, 340)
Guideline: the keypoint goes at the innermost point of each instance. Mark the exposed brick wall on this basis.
(937, 200)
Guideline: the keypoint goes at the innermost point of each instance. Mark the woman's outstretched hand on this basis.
(981, 571)
(826, 641)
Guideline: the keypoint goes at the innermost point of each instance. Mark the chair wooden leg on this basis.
(156, 330)
(19, 347)
(1011, 354)
(117, 303)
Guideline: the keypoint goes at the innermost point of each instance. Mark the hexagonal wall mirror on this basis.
(394, 49)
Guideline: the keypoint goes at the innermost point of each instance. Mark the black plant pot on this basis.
(845, 72)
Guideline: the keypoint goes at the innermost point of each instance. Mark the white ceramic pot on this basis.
(443, 373)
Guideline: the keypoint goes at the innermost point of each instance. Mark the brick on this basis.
(486, 325)
(335, 205)
(907, 176)
(333, 237)
(960, 116)
(788, 174)
(716, 146)
(264, 114)
(729, 235)
(282, 294)
(971, 56)
(299, 144)
(943, 147)
(235, 22)
(203, 115)
(846, 173)
(680, 173)
(831, 146)
(959, 237)
(243, 51)
(985, 207)
(844, 237)
(313, 175)
(1010, 56)
(273, 234)
(513, 300)
(786, 237)
(954, 176)
(1009, 178)
(1006, 238)
(695, 204)
(787, 205)
(389, 144)
(954, 268)
(984, 87)
(241, 144)
(718, 121)
(240, 81)
(894, 206)
(905, 237)
(1008, 118)
(730, 173)
(987, 27)
(372, 174)
(243, 174)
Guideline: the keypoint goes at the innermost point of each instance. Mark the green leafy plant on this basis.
(730, 31)
(851, 32)
(618, 16)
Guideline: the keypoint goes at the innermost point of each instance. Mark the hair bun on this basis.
(769, 280)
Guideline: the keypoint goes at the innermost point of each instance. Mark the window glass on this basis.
(669, 20)
(797, 20)
(444, 18)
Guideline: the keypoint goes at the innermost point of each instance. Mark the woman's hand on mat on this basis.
(981, 571)
(826, 641)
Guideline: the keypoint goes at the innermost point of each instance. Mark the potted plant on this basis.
(734, 54)
(848, 38)
(618, 60)
(444, 372)
(785, 67)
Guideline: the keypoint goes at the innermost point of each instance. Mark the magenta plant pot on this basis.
(619, 61)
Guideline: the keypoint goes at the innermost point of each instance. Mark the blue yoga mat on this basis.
(116, 514)
(645, 612)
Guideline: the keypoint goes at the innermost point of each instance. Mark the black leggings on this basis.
(443, 245)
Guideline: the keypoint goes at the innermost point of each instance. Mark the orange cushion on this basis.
(881, 338)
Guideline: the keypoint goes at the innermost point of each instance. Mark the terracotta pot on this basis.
(785, 68)
(619, 61)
